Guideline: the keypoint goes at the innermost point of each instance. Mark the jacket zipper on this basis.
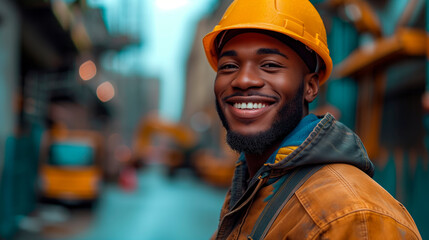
(260, 183)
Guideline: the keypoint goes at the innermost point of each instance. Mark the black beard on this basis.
(287, 119)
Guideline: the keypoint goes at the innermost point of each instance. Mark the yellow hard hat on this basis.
(297, 19)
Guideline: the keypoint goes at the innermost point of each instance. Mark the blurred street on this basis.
(185, 202)
(112, 102)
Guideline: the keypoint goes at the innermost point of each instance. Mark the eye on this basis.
(228, 67)
(271, 65)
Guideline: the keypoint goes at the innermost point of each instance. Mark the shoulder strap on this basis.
(279, 200)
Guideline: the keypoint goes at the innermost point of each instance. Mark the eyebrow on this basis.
(230, 53)
(263, 51)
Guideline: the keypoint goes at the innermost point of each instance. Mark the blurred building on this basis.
(379, 49)
(51, 76)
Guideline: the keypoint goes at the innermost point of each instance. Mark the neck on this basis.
(256, 161)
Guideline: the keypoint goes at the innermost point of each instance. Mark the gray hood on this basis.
(329, 142)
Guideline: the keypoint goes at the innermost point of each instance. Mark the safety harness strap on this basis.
(294, 180)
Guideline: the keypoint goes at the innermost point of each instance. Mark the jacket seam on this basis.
(311, 213)
(361, 210)
(343, 180)
(364, 211)
(347, 184)
(364, 227)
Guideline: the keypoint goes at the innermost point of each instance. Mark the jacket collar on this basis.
(328, 142)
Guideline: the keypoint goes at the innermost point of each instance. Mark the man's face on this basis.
(259, 91)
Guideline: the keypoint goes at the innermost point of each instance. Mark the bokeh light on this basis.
(87, 70)
(105, 91)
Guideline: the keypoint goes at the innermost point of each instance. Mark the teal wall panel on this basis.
(342, 93)
(7, 216)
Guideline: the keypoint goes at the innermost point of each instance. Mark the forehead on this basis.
(255, 41)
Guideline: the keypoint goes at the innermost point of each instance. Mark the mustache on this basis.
(249, 94)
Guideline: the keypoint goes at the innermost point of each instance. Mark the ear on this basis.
(311, 87)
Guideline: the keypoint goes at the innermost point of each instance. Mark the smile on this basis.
(249, 105)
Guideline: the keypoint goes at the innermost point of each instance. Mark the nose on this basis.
(247, 78)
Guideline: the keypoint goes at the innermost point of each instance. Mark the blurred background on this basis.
(108, 126)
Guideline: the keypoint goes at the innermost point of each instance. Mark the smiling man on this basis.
(299, 176)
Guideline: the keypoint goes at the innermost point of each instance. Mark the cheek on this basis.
(219, 87)
(287, 84)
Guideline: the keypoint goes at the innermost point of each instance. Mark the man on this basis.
(299, 176)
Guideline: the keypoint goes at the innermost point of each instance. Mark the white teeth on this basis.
(249, 105)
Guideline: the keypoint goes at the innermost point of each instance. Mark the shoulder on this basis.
(341, 194)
